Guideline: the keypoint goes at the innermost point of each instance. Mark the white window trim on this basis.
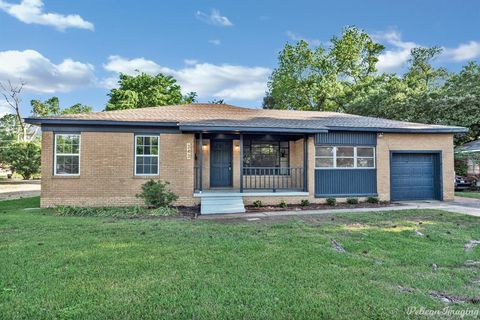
(355, 157)
(147, 155)
(55, 154)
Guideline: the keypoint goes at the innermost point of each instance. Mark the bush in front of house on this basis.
(304, 203)
(373, 200)
(156, 194)
(352, 200)
(282, 204)
(115, 212)
(258, 203)
(331, 202)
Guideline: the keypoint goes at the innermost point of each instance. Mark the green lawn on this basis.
(101, 268)
(471, 194)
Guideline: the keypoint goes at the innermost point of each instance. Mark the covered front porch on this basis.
(250, 164)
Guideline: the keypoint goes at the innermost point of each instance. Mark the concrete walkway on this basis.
(15, 189)
(468, 207)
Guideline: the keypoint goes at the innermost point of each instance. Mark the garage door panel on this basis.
(413, 176)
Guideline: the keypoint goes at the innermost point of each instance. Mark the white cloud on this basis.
(393, 59)
(190, 62)
(296, 37)
(31, 12)
(119, 64)
(464, 52)
(223, 81)
(215, 42)
(41, 75)
(214, 18)
(4, 108)
(398, 54)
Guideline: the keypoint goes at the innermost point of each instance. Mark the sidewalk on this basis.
(438, 205)
(14, 189)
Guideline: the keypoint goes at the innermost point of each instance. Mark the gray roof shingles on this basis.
(222, 115)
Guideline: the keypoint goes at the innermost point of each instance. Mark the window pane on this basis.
(365, 162)
(67, 144)
(345, 162)
(324, 162)
(364, 152)
(324, 151)
(266, 154)
(147, 145)
(344, 151)
(146, 165)
(67, 165)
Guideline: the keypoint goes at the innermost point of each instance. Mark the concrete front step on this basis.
(222, 204)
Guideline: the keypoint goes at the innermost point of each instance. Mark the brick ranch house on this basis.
(224, 156)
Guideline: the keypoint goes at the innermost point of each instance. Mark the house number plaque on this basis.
(189, 151)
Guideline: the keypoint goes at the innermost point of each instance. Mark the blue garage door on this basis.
(415, 176)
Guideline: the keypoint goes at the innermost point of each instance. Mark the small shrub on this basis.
(282, 204)
(352, 200)
(258, 203)
(373, 200)
(156, 194)
(331, 202)
(304, 203)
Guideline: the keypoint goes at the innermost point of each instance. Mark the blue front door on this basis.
(221, 163)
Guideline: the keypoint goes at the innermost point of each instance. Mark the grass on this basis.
(468, 194)
(104, 268)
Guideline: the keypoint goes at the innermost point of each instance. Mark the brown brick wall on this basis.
(397, 141)
(107, 171)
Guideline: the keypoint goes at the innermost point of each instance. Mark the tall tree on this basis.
(144, 90)
(12, 96)
(317, 79)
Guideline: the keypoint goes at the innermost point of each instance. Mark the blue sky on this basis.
(220, 49)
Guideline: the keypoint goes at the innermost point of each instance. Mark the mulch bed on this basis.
(314, 206)
(194, 211)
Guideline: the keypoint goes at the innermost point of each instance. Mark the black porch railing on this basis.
(273, 178)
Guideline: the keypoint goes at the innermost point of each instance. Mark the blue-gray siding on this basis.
(345, 182)
(350, 138)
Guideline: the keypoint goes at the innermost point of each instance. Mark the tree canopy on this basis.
(51, 107)
(344, 78)
(144, 90)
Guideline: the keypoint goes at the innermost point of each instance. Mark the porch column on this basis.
(305, 163)
(200, 155)
(241, 162)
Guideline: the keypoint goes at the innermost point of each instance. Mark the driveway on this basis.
(14, 189)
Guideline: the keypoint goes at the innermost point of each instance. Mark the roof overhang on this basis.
(233, 129)
(238, 129)
(402, 130)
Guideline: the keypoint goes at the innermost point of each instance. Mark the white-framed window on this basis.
(67, 154)
(344, 157)
(146, 155)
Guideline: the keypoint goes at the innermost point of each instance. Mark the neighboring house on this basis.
(472, 147)
(225, 156)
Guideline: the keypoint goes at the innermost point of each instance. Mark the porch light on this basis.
(204, 146)
(237, 145)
